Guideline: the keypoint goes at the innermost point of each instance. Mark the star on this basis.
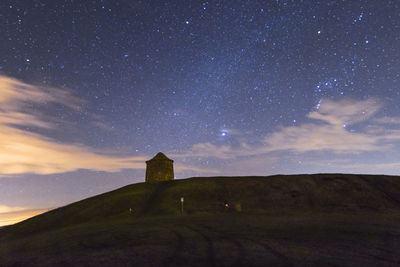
(223, 133)
(185, 77)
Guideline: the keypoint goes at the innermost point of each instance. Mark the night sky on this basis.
(89, 90)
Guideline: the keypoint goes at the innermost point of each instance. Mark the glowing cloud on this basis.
(22, 151)
(327, 131)
(11, 215)
(7, 209)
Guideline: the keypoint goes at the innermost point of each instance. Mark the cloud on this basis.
(15, 93)
(23, 151)
(10, 215)
(183, 168)
(314, 137)
(346, 112)
(327, 131)
(387, 120)
(7, 209)
(207, 150)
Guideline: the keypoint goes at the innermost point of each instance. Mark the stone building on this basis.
(159, 168)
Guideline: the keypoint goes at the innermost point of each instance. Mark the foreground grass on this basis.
(309, 220)
(217, 240)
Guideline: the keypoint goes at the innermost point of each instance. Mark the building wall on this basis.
(159, 170)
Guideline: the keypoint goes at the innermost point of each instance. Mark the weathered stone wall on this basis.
(159, 170)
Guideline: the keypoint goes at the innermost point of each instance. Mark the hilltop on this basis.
(321, 219)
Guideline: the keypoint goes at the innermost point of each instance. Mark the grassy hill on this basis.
(293, 220)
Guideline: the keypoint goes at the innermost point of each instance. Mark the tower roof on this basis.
(160, 156)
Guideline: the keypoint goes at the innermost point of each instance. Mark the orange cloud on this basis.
(7, 209)
(22, 151)
(11, 215)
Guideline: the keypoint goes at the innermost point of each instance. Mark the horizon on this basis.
(13, 215)
(91, 90)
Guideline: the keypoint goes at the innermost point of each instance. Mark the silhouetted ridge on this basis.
(277, 220)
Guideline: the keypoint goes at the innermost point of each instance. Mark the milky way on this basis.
(223, 87)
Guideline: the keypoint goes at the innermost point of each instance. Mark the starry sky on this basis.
(89, 90)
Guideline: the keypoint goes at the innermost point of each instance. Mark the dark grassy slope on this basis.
(329, 219)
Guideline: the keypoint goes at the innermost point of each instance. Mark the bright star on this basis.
(223, 133)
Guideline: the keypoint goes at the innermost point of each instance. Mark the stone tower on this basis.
(159, 168)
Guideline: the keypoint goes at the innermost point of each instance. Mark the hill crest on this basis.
(252, 194)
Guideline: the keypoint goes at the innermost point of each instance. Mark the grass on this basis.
(299, 220)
